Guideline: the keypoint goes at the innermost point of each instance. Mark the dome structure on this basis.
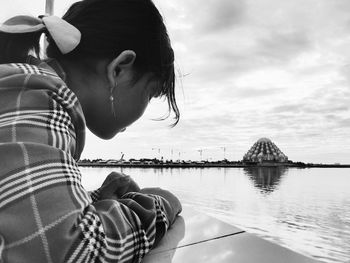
(264, 150)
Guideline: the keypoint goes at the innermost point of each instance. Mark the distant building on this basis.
(264, 150)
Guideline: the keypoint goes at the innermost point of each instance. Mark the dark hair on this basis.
(109, 27)
(14, 48)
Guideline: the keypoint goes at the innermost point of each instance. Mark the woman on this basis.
(108, 58)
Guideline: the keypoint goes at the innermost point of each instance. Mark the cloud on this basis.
(310, 109)
(226, 55)
(283, 46)
(211, 16)
(214, 17)
(344, 123)
(293, 108)
(249, 92)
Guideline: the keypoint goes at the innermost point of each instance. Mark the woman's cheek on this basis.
(142, 108)
(136, 111)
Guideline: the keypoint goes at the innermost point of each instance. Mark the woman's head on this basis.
(124, 44)
(110, 27)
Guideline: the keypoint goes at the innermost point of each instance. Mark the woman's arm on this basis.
(127, 228)
(122, 187)
(119, 186)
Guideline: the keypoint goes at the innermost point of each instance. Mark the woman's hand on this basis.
(116, 185)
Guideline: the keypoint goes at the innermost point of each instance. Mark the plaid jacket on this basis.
(45, 213)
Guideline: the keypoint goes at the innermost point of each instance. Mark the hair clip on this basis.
(66, 36)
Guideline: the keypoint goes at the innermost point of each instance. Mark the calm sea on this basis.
(307, 210)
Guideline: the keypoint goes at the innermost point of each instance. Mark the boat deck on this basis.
(196, 237)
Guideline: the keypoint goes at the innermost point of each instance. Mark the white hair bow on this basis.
(66, 36)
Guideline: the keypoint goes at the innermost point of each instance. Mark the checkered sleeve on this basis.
(122, 230)
(154, 204)
(95, 195)
(158, 205)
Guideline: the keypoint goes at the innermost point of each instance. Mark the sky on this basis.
(246, 69)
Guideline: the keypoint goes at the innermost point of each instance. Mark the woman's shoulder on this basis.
(13, 69)
(33, 74)
(32, 66)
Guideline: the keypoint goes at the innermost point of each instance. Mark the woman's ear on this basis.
(122, 64)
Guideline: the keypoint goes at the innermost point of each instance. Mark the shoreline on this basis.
(210, 165)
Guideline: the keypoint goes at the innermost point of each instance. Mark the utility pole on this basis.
(224, 148)
(49, 11)
(200, 153)
(49, 7)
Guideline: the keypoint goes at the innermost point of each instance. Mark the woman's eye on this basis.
(156, 90)
(156, 93)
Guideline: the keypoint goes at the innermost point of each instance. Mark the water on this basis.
(306, 210)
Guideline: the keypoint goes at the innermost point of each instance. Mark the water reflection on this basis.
(266, 179)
